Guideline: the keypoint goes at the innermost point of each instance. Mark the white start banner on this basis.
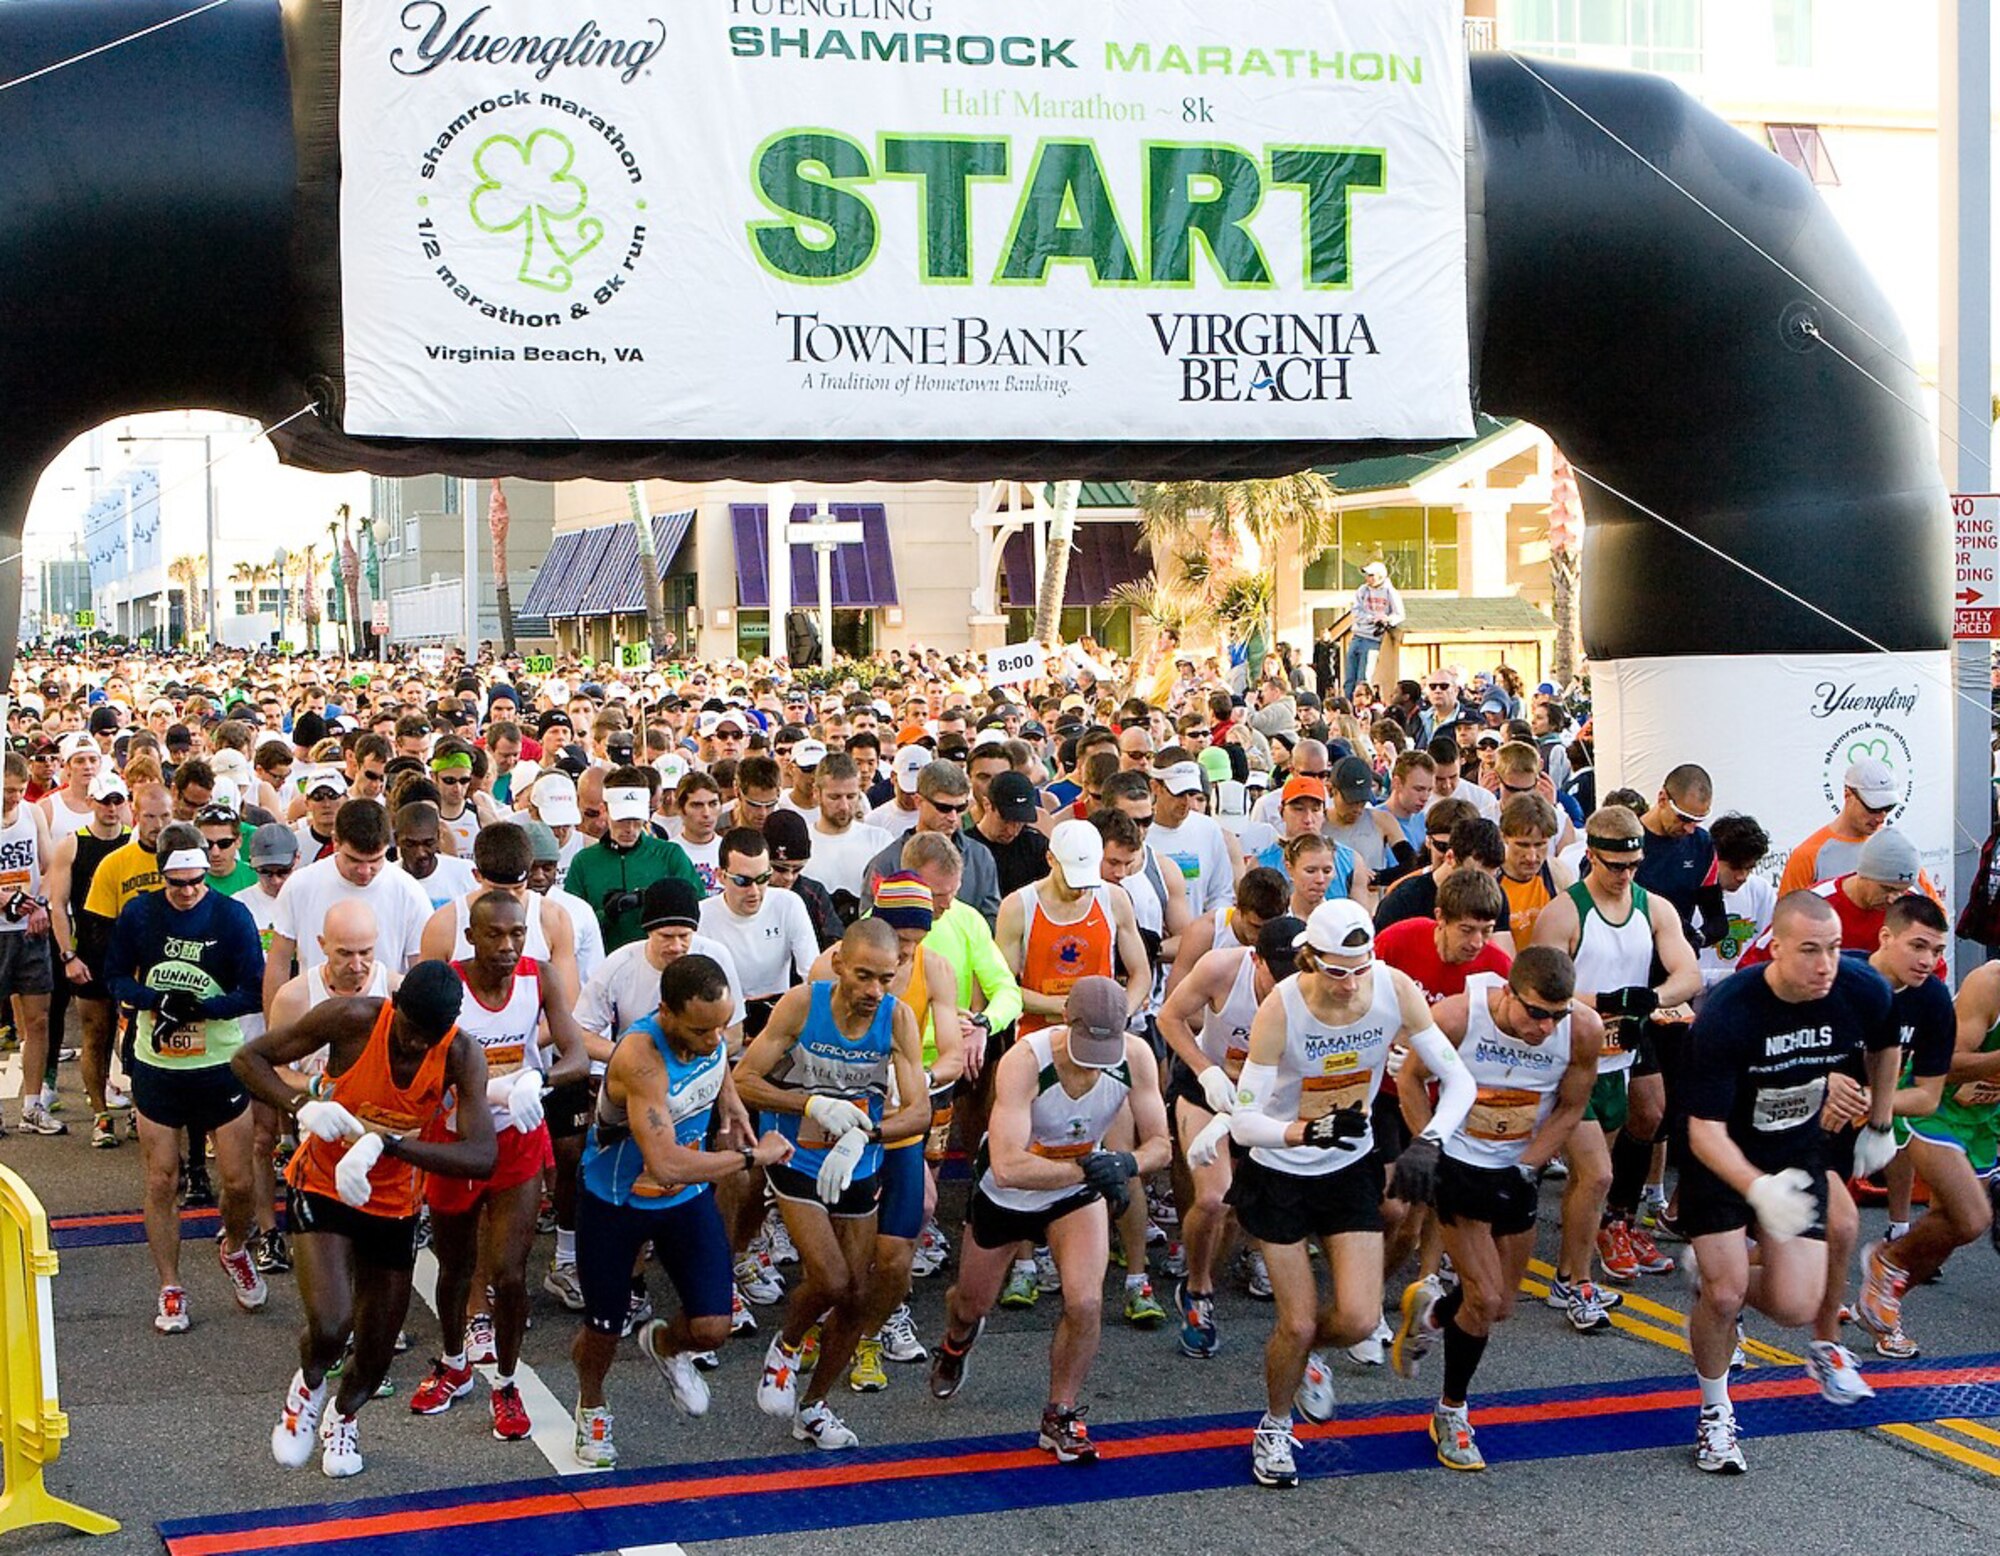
(908, 220)
(1777, 733)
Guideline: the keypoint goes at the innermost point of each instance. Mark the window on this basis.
(1804, 147)
(412, 528)
(1657, 35)
(450, 494)
(1792, 29)
(243, 606)
(1419, 546)
(267, 600)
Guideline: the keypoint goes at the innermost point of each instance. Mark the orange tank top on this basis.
(367, 1088)
(1060, 954)
(1525, 901)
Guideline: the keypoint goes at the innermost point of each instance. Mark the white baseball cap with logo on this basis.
(1339, 927)
(554, 800)
(1874, 782)
(1181, 778)
(1077, 850)
(628, 804)
(909, 766)
(808, 754)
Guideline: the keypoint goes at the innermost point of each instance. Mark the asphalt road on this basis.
(167, 1428)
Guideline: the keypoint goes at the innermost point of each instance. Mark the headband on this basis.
(1615, 845)
(185, 859)
(452, 761)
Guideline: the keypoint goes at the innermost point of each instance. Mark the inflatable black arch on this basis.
(171, 240)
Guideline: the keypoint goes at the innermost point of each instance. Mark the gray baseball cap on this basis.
(1095, 1013)
(273, 843)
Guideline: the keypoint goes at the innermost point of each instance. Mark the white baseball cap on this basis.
(628, 804)
(1874, 781)
(75, 743)
(554, 800)
(107, 785)
(1077, 849)
(672, 768)
(808, 754)
(909, 765)
(1181, 778)
(1339, 927)
(324, 778)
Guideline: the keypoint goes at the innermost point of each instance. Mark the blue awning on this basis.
(863, 575)
(595, 571)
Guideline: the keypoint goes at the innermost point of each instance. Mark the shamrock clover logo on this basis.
(1863, 749)
(527, 187)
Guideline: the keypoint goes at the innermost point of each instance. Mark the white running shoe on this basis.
(777, 1389)
(684, 1380)
(298, 1422)
(1046, 1273)
(777, 1241)
(1315, 1392)
(561, 1283)
(249, 1289)
(1715, 1446)
(480, 1350)
(759, 1281)
(818, 1425)
(171, 1317)
(1259, 1286)
(340, 1446)
(741, 1319)
(1373, 1351)
(1832, 1367)
(899, 1338)
(1418, 1330)
(593, 1447)
(1272, 1451)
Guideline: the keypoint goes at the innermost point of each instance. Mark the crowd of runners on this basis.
(744, 975)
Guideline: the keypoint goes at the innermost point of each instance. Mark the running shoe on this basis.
(1557, 1169)
(1587, 1311)
(866, 1375)
(759, 1281)
(545, 1218)
(1174, 1264)
(36, 1120)
(707, 1361)
(1447, 1274)
(104, 1137)
(510, 1416)
(1272, 1455)
(1314, 1396)
(1739, 1359)
(1614, 1252)
(593, 1446)
(809, 1351)
(443, 1388)
(899, 1338)
(1646, 1253)
(248, 1286)
(777, 1241)
(932, 1251)
(1065, 1435)
(479, 1347)
(274, 1253)
(1374, 1350)
(200, 1193)
(1199, 1338)
(1897, 1344)
(561, 1283)
(1142, 1308)
(1451, 1430)
(1156, 1235)
(817, 1424)
(1652, 1207)
(298, 1422)
(948, 1363)
(1259, 1284)
(340, 1446)
(1832, 1367)
(741, 1319)
(1048, 1277)
(1880, 1304)
(1562, 1294)
(1023, 1289)
(1417, 1332)
(684, 1380)
(777, 1389)
(1715, 1446)
(638, 1308)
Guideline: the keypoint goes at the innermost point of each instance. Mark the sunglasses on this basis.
(1143, 821)
(193, 885)
(1702, 819)
(280, 871)
(1345, 974)
(1539, 1012)
(220, 845)
(948, 809)
(1615, 866)
(746, 881)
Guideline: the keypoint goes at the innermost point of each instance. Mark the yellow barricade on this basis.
(32, 1425)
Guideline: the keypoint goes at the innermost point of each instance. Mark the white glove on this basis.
(1219, 1089)
(329, 1121)
(350, 1178)
(836, 1115)
(837, 1171)
(520, 1094)
(1207, 1145)
(1873, 1151)
(1783, 1202)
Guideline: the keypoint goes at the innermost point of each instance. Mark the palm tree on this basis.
(188, 572)
(498, 522)
(307, 574)
(1565, 568)
(649, 572)
(1055, 564)
(251, 576)
(1224, 532)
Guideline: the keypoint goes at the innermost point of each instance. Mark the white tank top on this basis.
(1226, 937)
(1612, 956)
(20, 864)
(465, 828)
(1225, 1033)
(1327, 1068)
(65, 818)
(1517, 1082)
(510, 1034)
(536, 947)
(1061, 1128)
(317, 993)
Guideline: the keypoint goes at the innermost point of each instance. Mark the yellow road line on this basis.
(1619, 1320)
(1958, 1452)
(1972, 1429)
(1659, 1310)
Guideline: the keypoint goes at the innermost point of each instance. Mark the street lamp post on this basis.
(207, 442)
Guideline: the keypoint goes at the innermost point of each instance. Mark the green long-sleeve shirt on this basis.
(601, 872)
(961, 937)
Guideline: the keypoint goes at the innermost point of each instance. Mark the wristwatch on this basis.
(749, 1159)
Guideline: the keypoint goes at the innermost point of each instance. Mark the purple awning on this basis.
(863, 575)
(1102, 556)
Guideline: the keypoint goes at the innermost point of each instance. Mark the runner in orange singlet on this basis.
(356, 1183)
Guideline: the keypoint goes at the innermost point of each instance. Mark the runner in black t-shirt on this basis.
(1763, 1048)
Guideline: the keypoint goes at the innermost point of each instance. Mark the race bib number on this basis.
(1062, 1150)
(1979, 1094)
(1787, 1107)
(1503, 1113)
(1342, 1082)
(1236, 1052)
(939, 1137)
(188, 1042)
(504, 1058)
(812, 1136)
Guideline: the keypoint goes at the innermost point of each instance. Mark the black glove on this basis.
(1523, 1193)
(1332, 1130)
(181, 1007)
(1111, 1173)
(1633, 1004)
(1415, 1179)
(1711, 916)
